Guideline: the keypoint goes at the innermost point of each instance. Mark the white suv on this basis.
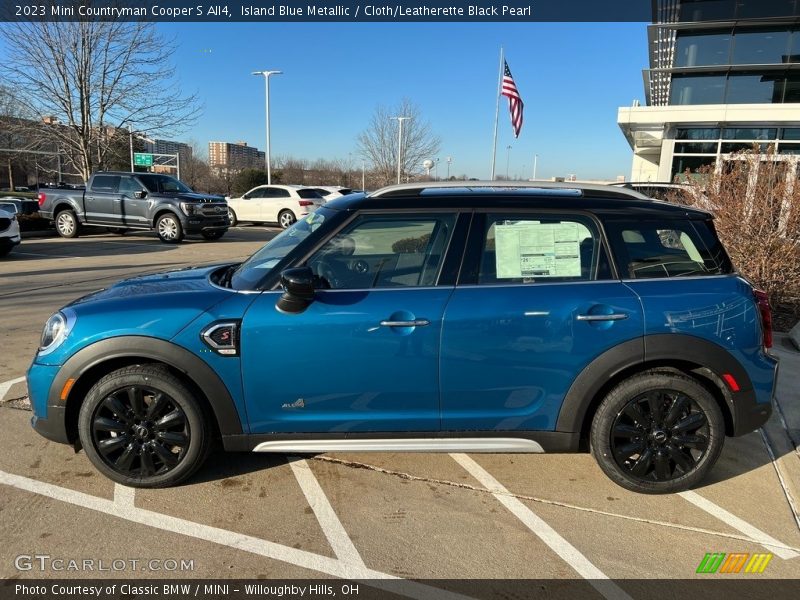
(281, 204)
(9, 228)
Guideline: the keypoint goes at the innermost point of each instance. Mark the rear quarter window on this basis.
(649, 249)
(308, 193)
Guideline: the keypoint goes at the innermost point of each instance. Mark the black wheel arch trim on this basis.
(652, 349)
(216, 392)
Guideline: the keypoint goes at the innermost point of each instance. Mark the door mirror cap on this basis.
(140, 194)
(298, 286)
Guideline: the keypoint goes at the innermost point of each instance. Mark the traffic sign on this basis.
(140, 159)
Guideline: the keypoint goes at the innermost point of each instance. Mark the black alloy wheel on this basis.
(141, 426)
(140, 431)
(660, 435)
(657, 432)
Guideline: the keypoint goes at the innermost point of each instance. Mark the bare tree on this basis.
(90, 79)
(378, 143)
(756, 204)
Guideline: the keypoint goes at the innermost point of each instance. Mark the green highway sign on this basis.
(141, 159)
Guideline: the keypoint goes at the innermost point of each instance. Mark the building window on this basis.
(702, 49)
(753, 88)
(706, 10)
(682, 164)
(790, 134)
(695, 147)
(697, 89)
(749, 133)
(760, 47)
(697, 133)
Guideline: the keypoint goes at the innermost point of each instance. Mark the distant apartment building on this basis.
(155, 146)
(234, 156)
(724, 76)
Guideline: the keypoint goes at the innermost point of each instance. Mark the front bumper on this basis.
(10, 241)
(200, 224)
(54, 427)
(49, 414)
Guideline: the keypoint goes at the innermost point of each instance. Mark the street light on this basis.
(266, 75)
(449, 160)
(400, 143)
(508, 159)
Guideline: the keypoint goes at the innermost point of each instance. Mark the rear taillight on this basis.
(762, 300)
(306, 203)
(42, 198)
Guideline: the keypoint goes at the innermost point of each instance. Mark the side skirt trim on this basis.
(403, 445)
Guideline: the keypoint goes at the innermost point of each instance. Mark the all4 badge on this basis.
(299, 403)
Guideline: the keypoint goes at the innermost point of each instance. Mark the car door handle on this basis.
(611, 317)
(414, 323)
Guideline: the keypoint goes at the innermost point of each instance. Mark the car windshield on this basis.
(160, 184)
(254, 268)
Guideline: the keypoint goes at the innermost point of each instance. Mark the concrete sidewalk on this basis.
(783, 429)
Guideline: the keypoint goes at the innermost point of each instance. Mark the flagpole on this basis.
(497, 112)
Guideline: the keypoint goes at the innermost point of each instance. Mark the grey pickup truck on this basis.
(120, 201)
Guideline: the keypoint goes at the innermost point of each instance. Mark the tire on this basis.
(657, 433)
(232, 217)
(286, 219)
(141, 426)
(67, 223)
(213, 235)
(169, 228)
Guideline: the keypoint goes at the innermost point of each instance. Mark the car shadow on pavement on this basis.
(223, 465)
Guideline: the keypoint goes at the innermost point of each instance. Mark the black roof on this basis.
(599, 202)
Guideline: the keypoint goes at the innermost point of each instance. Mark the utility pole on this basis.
(400, 144)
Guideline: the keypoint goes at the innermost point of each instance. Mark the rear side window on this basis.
(540, 248)
(105, 183)
(667, 248)
(308, 193)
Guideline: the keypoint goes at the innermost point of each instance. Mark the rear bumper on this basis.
(750, 409)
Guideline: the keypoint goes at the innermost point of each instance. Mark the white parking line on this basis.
(231, 539)
(6, 385)
(124, 496)
(331, 526)
(571, 555)
(769, 542)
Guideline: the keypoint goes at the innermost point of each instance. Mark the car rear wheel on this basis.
(232, 217)
(657, 432)
(67, 224)
(286, 219)
(169, 229)
(142, 427)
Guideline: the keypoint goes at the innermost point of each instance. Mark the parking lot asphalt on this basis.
(366, 516)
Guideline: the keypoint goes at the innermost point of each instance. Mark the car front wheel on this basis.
(232, 216)
(657, 432)
(142, 427)
(169, 229)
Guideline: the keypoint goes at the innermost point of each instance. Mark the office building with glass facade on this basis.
(724, 76)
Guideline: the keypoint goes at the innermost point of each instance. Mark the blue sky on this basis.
(572, 77)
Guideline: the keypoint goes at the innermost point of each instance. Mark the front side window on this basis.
(162, 184)
(541, 249)
(379, 252)
(666, 248)
(129, 186)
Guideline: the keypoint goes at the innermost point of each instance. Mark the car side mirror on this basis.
(298, 286)
(140, 194)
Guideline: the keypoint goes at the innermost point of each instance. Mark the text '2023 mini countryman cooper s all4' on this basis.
(426, 318)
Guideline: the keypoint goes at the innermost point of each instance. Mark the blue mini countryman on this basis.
(429, 318)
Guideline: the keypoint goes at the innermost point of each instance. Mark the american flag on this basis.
(515, 104)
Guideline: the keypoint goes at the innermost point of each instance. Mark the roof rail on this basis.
(416, 189)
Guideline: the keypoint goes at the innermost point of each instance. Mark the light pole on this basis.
(535, 160)
(266, 75)
(400, 143)
(363, 175)
(508, 158)
(449, 160)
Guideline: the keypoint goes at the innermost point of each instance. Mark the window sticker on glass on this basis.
(534, 249)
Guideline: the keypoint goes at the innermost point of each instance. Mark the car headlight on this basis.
(190, 209)
(55, 331)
